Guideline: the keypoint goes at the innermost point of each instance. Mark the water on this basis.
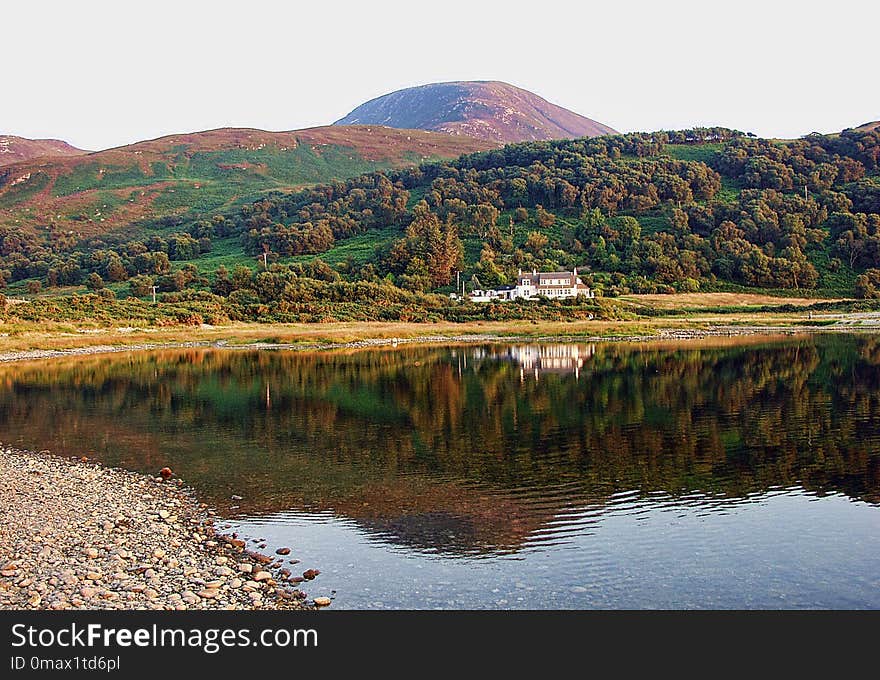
(722, 474)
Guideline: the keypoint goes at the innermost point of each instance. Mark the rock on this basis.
(246, 567)
(322, 601)
(165, 473)
(208, 593)
(91, 553)
(282, 551)
(262, 576)
(309, 574)
(164, 514)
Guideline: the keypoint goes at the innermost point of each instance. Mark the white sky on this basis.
(101, 74)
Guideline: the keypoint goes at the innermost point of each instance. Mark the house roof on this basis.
(545, 275)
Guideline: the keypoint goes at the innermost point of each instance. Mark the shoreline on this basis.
(660, 334)
(78, 535)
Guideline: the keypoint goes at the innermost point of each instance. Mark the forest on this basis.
(706, 209)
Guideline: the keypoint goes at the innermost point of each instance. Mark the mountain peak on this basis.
(14, 149)
(486, 109)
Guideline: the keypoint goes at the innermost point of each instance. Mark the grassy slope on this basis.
(129, 188)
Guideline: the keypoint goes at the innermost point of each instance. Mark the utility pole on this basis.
(154, 294)
(266, 260)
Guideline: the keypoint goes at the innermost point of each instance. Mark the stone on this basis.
(322, 601)
(282, 551)
(91, 553)
(262, 576)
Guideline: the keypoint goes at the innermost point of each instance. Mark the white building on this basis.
(554, 285)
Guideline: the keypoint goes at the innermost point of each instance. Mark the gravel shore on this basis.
(77, 535)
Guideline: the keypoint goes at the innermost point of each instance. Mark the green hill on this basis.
(694, 210)
(164, 181)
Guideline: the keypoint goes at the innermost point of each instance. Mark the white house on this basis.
(554, 285)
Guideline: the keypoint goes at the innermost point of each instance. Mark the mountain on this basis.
(867, 127)
(14, 149)
(483, 109)
(185, 174)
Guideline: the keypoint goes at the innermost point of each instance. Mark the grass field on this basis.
(694, 152)
(714, 300)
(48, 336)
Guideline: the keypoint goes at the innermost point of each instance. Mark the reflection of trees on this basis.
(414, 446)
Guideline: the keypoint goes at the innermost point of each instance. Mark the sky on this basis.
(101, 74)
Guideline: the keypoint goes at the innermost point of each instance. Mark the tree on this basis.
(868, 285)
(94, 282)
(242, 277)
(140, 286)
(431, 249)
(536, 242)
(545, 219)
(116, 269)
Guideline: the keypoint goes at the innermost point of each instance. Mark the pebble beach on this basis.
(77, 535)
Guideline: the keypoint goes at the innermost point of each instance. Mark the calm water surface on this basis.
(725, 474)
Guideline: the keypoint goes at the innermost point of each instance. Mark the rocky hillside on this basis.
(14, 149)
(483, 109)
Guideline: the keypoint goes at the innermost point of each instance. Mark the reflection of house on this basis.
(556, 285)
(563, 359)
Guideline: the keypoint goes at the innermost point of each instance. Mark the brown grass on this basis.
(54, 336)
(697, 300)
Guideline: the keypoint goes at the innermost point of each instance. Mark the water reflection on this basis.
(535, 359)
(479, 451)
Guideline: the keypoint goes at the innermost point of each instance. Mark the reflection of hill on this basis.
(430, 453)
